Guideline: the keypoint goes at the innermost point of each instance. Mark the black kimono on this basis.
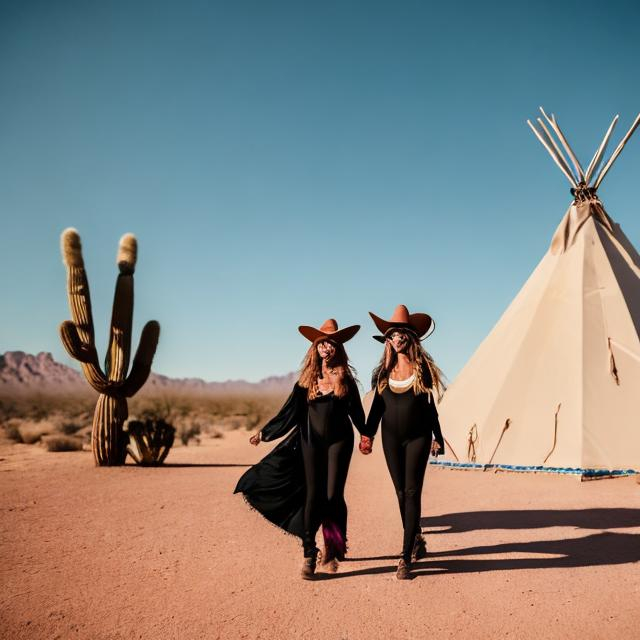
(299, 485)
(409, 423)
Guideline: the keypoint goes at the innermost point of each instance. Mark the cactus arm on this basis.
(119, 351)
(143, 359)
(87, 356)
(78, 335)
(72, 343)
(96, 378)
(77, 285)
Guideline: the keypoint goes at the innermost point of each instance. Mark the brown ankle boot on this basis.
(332, 565)
(308, 569)
(419, 548)
(328, 563)
(402, 573)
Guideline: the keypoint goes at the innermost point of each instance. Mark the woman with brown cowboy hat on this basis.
(299, 485)
(405, 381)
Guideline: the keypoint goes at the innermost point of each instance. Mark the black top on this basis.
(406, 414)
(328, 412)
(275, 486)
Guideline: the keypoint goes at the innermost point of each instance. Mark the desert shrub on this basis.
(193, 414)
(149, 441)
(70, 427)
(39, 406)
(84, 434)
(236, 422)
(187, 429)
(187, 433)
(31, 432)
(11, 430)
(60, 442)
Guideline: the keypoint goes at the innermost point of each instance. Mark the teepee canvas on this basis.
(556, 384)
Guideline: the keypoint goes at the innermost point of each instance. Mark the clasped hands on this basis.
(366, 446)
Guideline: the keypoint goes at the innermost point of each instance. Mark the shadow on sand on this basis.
(599, 549)
(180, 465)
(589, 551)
(534, 519)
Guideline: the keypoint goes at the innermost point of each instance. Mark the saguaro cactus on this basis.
(109, 442)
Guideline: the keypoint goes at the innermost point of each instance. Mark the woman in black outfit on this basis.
(300, 484)
(404, 383)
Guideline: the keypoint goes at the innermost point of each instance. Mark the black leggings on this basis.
(325, 468)
(407, 463)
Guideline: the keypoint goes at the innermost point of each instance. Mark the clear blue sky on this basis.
(284, 162)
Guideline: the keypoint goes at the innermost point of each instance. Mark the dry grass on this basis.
(32, 431)
(11, 429)
(61, 443)
(29, 418)
(40, 406)
(194, 415)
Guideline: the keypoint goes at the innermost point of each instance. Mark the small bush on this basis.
(61, 443)
(11, 430)
(149, 441)
(70, 427)
(31, 432)
(84, 434)
(187, 430)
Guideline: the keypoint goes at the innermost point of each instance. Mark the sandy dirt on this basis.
(171, 553)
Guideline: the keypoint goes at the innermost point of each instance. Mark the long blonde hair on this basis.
(429, 377)
(311, 370)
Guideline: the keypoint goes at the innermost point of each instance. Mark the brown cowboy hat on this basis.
(419, 323)
(330, 331)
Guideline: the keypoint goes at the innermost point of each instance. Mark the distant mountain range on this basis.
(24, 372)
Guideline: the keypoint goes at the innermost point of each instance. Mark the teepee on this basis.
(556, 384)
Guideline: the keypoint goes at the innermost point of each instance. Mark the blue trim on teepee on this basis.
(575, 471)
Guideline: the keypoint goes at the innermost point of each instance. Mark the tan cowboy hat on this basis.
(420, 323)
(330, 331)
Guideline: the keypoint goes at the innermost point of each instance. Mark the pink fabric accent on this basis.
(335, 543)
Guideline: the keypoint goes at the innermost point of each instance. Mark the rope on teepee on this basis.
(471, 443)
(507, 424)
(612, 363)
(555, 434)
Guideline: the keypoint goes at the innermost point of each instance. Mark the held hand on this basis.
(435, 448)
(366, 445)
(255, 439)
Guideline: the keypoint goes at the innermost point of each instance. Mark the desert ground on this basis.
(170, 552)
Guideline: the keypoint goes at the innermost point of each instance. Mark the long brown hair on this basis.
(429, 377)
(311, 370)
